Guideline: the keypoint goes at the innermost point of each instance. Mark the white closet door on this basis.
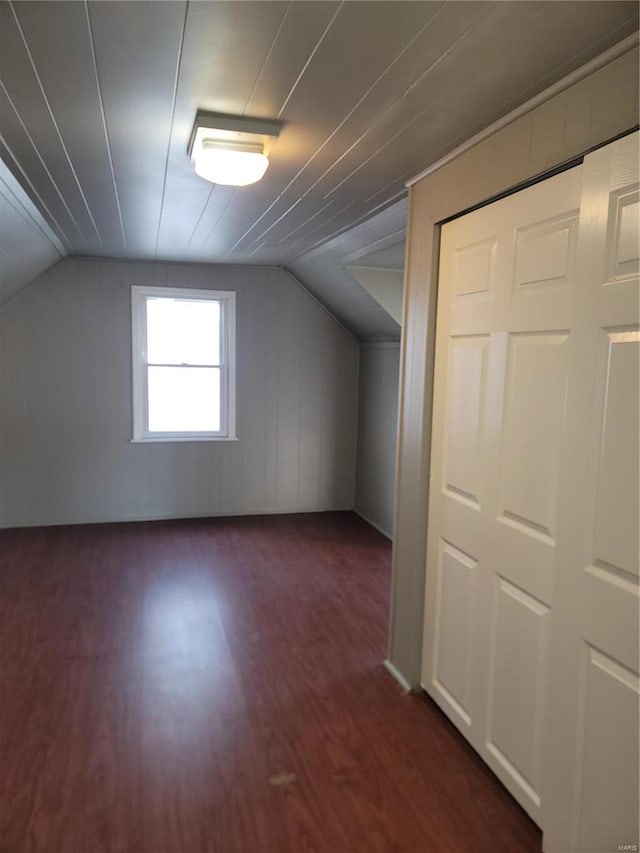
(591, 776)
(505, 321)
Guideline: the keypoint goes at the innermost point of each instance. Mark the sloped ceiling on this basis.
(97, 101)
(27, 245)
(324, 271)
(385, 285)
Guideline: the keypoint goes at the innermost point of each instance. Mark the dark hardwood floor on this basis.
(216, 686)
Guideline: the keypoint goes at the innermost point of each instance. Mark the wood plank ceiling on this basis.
(97, 101)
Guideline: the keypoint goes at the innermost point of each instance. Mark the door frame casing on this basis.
(530, 148)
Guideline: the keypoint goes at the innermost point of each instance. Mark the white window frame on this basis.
(227, 300)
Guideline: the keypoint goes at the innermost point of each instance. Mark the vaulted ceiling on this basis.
(97, 101)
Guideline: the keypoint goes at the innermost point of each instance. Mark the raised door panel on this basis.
(535, 396)
(590, 780)
(466, 399)
(606, 782)
(503, 336)
(474, 269)
(616, 510)
(454, 630)
(516, 687)
(622, 249)
(544, 254)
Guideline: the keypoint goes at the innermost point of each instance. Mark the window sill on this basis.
(180, 439)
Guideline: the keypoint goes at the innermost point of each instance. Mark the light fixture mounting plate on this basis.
(222, 127)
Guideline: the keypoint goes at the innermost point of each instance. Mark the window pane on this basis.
(184, 399)
(183, 331)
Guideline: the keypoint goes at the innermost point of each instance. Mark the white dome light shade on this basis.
(235, 164)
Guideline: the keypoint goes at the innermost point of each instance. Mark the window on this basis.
(183, 364)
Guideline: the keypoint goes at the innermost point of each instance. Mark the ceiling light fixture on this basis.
(231, 150)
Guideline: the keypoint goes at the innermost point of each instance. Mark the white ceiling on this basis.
(27, 245)
(97, 102)
(378, 241)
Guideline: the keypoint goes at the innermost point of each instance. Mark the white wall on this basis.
(377, 430)
(65, 403)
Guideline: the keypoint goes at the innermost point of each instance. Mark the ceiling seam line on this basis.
(104, 122)
(310, 58)
(534, 88)
(394, 197)
(410, 177)
(317, 227)
(24, 213)
(54, 122)
(422, 113)
(14, 202)
(296, 246)
(173, 115)
(286, 101)
(363, 251)
(244, 112)
(266, 59)
(335, 234)
(199, 220)
(333, 133)
(256, 250)
(215, 225)
(339, 231)
(49, 175)
(395, 181)
(462, 137)
(416, 82)
(306, 221)
(364, 217)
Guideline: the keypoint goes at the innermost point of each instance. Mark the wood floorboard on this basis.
(216, 686)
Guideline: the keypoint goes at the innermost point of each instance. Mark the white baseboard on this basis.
(402, 681)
